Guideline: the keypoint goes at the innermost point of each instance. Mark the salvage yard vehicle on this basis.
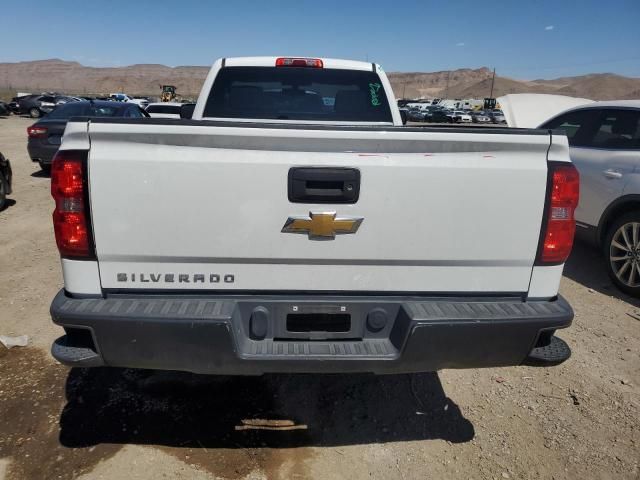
(123, 97)
(277, 232)
(497, 116)
(39, 105)
(441, 116)
(164, 110)
(462, 116)
(36, 105)
(416, 115)
(45, 135)
(5, 180)
(480, 117)
(604, 139)
(168, 93)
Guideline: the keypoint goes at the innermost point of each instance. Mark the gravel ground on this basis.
(578, 420)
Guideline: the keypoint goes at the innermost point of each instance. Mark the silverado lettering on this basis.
(171, 278)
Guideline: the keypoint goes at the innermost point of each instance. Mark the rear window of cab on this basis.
(298, 93)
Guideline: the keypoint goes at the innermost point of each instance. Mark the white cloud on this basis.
(460, 44)
(549, 27)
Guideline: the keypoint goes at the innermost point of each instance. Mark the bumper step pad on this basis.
(553, 354)
(74, 355)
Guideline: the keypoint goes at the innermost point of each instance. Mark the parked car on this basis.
(46, 134)
(461, 116)
(5, 180)
(122, 97)
(441, 116)
(497, 116)
(39, 105)
(420, 266)
(480, 117)
(164, 110)
(415, 115)
(604, 139)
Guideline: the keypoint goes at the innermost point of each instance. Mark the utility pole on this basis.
(404, 88)
(446, 92)
(492, 80)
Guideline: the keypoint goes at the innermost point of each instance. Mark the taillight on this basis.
(71, 220)
(35, 131)
(299, 62)
(559, 224)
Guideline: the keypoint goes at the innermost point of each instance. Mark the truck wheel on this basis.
(4, 188)
(34, 112)
(45, 167)
(622, 251)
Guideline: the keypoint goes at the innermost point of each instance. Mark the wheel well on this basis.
(620, 207)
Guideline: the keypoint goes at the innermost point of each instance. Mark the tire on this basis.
(622, 253)
(45, 167)
(4, 188)
(34, 112)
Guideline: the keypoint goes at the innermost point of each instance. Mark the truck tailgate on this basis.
(188, 206)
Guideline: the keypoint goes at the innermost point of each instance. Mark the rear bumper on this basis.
(248, 335)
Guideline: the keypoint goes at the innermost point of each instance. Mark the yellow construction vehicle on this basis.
(168, 93)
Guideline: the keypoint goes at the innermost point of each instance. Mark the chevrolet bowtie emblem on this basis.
(322, 225)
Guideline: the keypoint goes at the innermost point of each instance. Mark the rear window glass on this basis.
(164, 109)
(77, 109)
(290, 93)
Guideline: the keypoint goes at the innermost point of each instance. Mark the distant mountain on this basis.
(72, 77)
(467, 83)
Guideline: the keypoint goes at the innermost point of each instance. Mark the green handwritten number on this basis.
(373, 91)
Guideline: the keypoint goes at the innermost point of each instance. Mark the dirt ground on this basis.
(578, 420)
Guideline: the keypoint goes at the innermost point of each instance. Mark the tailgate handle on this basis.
(324, 185)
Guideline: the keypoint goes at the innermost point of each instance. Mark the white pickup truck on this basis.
(293, 224)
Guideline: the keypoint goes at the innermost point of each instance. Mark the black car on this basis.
(45, 135)
(415, 115)
(38, 105)
(5, 180)
(441, 116)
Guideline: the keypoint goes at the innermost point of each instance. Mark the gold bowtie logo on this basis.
(322, 225)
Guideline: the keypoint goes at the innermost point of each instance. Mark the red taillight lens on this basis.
(36, 132)
(299, 62)
(564, 192)
(71, 217)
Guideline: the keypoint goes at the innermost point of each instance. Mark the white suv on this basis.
(605, 147)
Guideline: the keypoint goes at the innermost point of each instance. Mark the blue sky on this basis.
(521, 39)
